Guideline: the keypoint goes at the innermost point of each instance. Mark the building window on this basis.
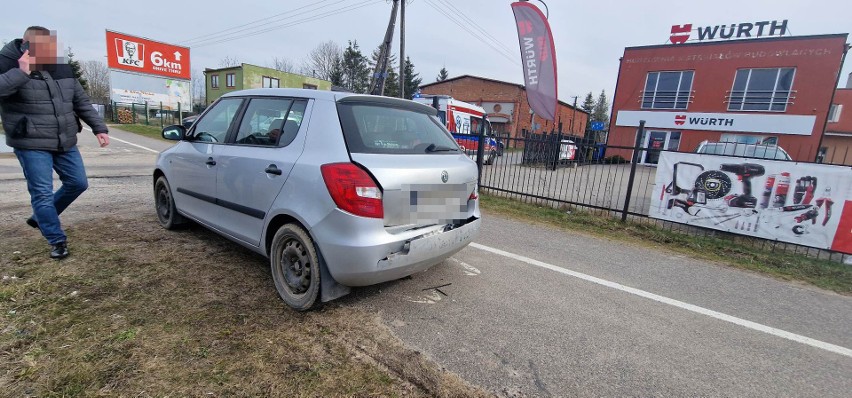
(668, 90)
(214, 81)
(270, 82)
(309, 86)
(749, 139)
(834, 113)
(767, 89)
(230, 80)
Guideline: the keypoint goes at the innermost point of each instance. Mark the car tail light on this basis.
(353, 190)
(474, 195)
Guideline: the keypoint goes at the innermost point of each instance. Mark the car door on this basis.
(253, 167)
(194, 162)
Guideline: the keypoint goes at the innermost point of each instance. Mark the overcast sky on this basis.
(590, 36)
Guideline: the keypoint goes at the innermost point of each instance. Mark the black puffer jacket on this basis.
(42, 110)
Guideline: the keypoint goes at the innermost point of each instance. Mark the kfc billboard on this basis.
(135, 54)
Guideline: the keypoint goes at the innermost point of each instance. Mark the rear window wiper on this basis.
(434, 148)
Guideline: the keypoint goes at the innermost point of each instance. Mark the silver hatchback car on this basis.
(336, 189)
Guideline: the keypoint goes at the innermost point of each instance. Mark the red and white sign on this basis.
(135, 54)
(735, 122)
(681, 33)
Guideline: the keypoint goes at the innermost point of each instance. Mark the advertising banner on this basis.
(134, 88)
(136, 54)
(538, 56)
(801, 203)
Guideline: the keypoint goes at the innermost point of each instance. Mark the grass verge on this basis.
(140, 311)
(153, 131)
(822, 273)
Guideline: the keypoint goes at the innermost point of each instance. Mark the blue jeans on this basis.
(38, 170)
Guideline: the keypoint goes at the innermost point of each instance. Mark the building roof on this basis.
(739, 41)
(240, 66)
(520, 86)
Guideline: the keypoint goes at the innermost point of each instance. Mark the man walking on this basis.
(42, 104)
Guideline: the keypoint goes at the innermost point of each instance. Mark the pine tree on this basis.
(601, 111)
(77, 70)
(392, 80)
(335, 73)
(412, 81)
(442, 75)
(588, 103)
(356, 72)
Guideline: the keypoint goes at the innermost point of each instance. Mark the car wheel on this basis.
(165, 205)
(295, 267)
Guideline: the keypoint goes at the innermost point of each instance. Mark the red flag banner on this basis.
(538, 57)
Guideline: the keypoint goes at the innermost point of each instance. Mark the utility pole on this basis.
(380, 74)
(574, 116)
(402, 49)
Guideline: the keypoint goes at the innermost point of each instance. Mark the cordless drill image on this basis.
(744, 172)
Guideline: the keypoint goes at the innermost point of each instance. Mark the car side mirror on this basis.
(175, 132)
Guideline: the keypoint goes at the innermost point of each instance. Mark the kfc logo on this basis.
(130, 53)
(680, 120)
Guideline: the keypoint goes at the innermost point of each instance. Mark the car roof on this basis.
(335, 96)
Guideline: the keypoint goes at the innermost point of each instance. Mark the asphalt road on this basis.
(522, 314)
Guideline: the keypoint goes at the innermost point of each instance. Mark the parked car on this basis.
(759, 151)
(336, 190)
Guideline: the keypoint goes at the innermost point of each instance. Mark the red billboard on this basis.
(135, 54)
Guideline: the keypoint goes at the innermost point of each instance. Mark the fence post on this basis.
(161, 114)
(147, 122)
(633, 169)
(133, 111)
(558, 147)
(180, 115)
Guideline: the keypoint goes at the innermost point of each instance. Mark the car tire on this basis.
(295, 268)
(164, 204)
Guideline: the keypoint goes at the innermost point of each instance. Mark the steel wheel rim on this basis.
(164, 201)
(294, 266)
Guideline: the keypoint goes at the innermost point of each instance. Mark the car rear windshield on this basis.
(378, 128)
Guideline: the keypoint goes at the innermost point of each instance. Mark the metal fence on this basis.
(152, 114)
(608, 180)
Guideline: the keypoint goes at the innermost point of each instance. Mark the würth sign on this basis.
(682, 33)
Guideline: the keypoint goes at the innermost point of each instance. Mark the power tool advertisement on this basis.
(805, 204)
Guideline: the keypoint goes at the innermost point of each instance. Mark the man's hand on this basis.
(103, 139)
(24, 62)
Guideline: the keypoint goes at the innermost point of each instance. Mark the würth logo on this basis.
(130, 53)
(680, 33)
(524, 28)
(680, 120)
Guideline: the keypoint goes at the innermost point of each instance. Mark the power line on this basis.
(218, 32)
(472, 33)
(472, 21)
(299, 22)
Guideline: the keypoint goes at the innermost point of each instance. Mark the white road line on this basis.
(680, 304)
(127, 142)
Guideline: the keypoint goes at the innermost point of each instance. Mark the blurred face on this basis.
(43, 47)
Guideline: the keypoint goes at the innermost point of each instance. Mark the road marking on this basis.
(469, 270)
(127, 142)
(680, 304)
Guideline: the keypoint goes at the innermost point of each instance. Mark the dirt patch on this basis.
(137, 310)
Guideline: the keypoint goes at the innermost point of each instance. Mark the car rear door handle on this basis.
(273, 169)
(210, 162)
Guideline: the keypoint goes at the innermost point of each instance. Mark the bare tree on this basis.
(96, 74)
(283, 65)
(198, 90)
(322, 60)
(228, 62)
